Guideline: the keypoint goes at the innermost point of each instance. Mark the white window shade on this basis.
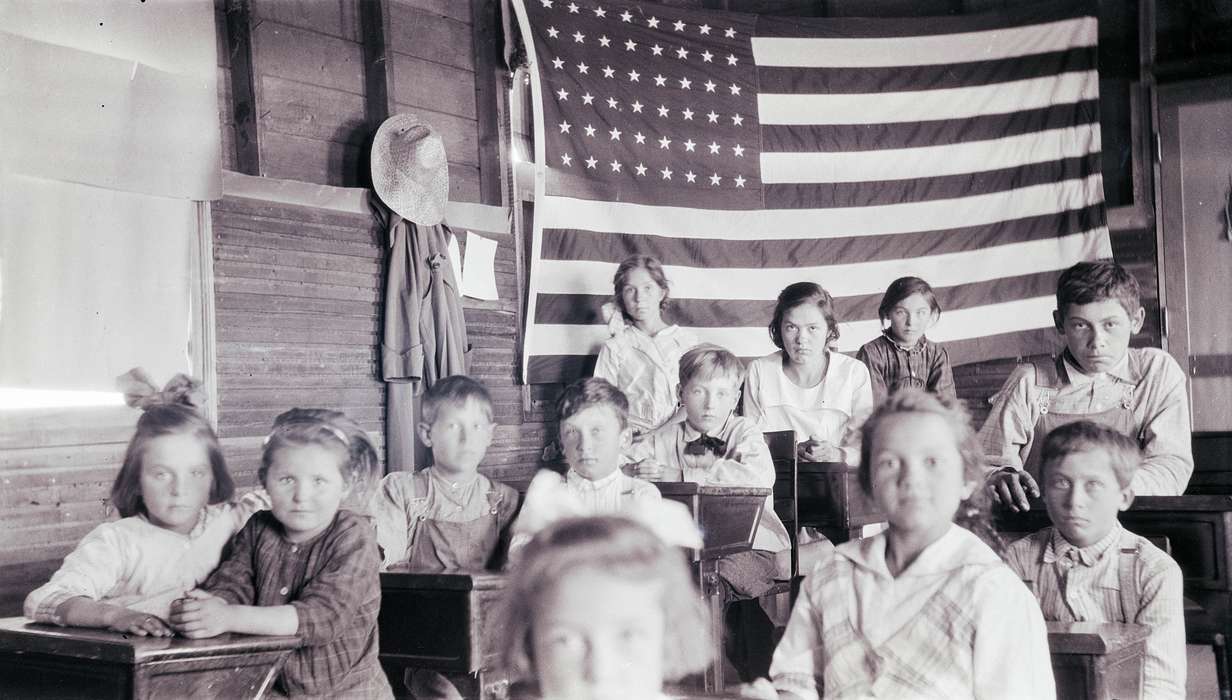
(109, 136)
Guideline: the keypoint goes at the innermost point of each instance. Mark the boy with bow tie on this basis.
(715, 447)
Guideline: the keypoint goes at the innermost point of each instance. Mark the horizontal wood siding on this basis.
(308, 72)
(56, 471)
(434, 77)
(297, 302)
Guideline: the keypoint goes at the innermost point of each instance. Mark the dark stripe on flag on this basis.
(777, 80)
(653, 188)
(551, 369)
(868, 137)
(584, 309)
(1019, 344)
(871, 28)
(770, 252)
(864, 194)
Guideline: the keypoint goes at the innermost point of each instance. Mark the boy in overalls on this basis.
(1087, 568)
(1138, 392)
(448, 516)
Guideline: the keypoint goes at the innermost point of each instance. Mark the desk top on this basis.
(689, 488)
(1093, 637)
(19, 634)
(402, 579)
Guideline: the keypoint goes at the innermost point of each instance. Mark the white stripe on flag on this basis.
(818, 224)
(930, 161)
(889, 52)
(853, 279)
(928, 105)
(1006, 317)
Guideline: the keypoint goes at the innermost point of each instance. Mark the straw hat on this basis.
(409, 169)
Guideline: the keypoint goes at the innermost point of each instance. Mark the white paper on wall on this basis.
(479, 268)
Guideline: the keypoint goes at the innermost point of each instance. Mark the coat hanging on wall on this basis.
(424, 336)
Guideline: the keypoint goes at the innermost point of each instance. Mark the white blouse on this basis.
(135, 564)
(832, 411)
(647, 369)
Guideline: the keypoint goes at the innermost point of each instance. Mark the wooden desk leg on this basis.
(712, 591)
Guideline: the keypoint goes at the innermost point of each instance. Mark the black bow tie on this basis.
(704, 444)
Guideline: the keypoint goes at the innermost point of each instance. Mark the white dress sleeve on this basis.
(1009, 627)
(92, 570)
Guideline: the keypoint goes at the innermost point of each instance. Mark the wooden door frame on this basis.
(1170, 232)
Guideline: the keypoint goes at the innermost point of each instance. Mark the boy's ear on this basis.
(1136, 319)
(626, 439)
(1058, 320)
(1127, 498)
(424, 431)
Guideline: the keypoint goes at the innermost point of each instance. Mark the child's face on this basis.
(917, 473)
(708, 402)
(910, 318)
(593, 441)
(804, 333)
(641, 296)
(306, 487)
(459, 437)
(600, 637)
(1083, 496)
(176, 478)
(1097, 334)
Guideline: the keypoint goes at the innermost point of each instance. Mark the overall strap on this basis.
(1048, 380)
(1127, 569)
(1039, 542)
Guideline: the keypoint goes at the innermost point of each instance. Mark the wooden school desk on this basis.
(445, 623)
(727, 517)
(1097, 661)
(45, 661)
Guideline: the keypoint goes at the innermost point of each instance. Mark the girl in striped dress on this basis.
(925, 609)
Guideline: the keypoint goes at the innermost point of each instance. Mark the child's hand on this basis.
(701, 461)
(816, 450)
(648, 469)
(1010, 487)
(198, 615)
(140, 623)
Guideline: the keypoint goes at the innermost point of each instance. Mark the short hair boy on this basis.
(1139, 392)
(1086, 567)
(448, 516)
(594, 434)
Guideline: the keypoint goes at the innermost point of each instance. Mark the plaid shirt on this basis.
(1082, 584)
(954, 624)
(334, 585)
(890, 366)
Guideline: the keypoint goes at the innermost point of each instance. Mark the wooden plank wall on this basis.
(434, 77)
(56, 471)
(297, 300)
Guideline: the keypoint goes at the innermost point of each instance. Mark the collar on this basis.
(957, 548)
(918, 347)
(577, 481)
(690, 434)
(1060, 549)
(1075, 375)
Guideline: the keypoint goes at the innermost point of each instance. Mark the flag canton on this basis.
(647, 96)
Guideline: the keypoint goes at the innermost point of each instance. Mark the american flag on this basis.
(748, 152)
